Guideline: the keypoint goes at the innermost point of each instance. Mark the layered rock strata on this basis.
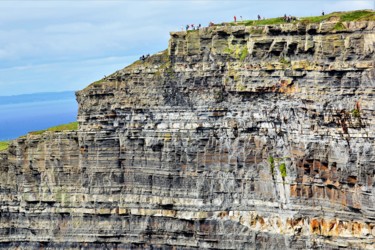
(234, 138)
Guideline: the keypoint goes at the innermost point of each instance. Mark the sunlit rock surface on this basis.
(233, 138)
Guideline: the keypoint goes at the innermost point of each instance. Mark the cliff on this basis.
(236, 137)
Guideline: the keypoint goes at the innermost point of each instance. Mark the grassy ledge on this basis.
(4, 145)
(358, 15)
(73, 126)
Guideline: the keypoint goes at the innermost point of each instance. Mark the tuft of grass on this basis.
(282, 169)
(285, 61)
(271, 161)
(73, 126)
(237, 52)
(356, 113)
(244, 53)
(4, 145)
(228, 51)
(339, 26)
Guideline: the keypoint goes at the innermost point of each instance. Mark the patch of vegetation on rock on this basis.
(339, 26)
(4, 145)
(244, 53)
(358, 15)
(355, 113)
(271, 161)
(282, 169)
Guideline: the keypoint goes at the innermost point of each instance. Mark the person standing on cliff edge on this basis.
(235, 19)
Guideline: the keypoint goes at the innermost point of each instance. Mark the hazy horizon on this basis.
(38, 93)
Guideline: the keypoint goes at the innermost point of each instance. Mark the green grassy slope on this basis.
(69, 126)
(357, 15)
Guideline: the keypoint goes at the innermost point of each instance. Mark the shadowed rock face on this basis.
(233, 138)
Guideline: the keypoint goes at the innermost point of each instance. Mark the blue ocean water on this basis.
(20, 118)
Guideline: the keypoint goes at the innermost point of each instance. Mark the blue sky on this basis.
(52, 45)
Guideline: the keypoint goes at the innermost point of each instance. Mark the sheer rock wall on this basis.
(233, 138)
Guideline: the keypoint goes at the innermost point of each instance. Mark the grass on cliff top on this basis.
(73, 126)
(358, 15)
(268, 21)
(4, 145)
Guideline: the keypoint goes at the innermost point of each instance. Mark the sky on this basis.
(55, 45)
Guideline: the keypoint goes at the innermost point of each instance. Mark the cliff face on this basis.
(234, 138)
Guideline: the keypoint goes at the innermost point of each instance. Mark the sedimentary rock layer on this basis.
(233, 138)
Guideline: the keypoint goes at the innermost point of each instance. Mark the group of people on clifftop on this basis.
(192, 27)
(235, 18)
(241, 19)
(144, 57)
(287, 18)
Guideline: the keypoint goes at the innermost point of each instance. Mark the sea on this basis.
(21, 114)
